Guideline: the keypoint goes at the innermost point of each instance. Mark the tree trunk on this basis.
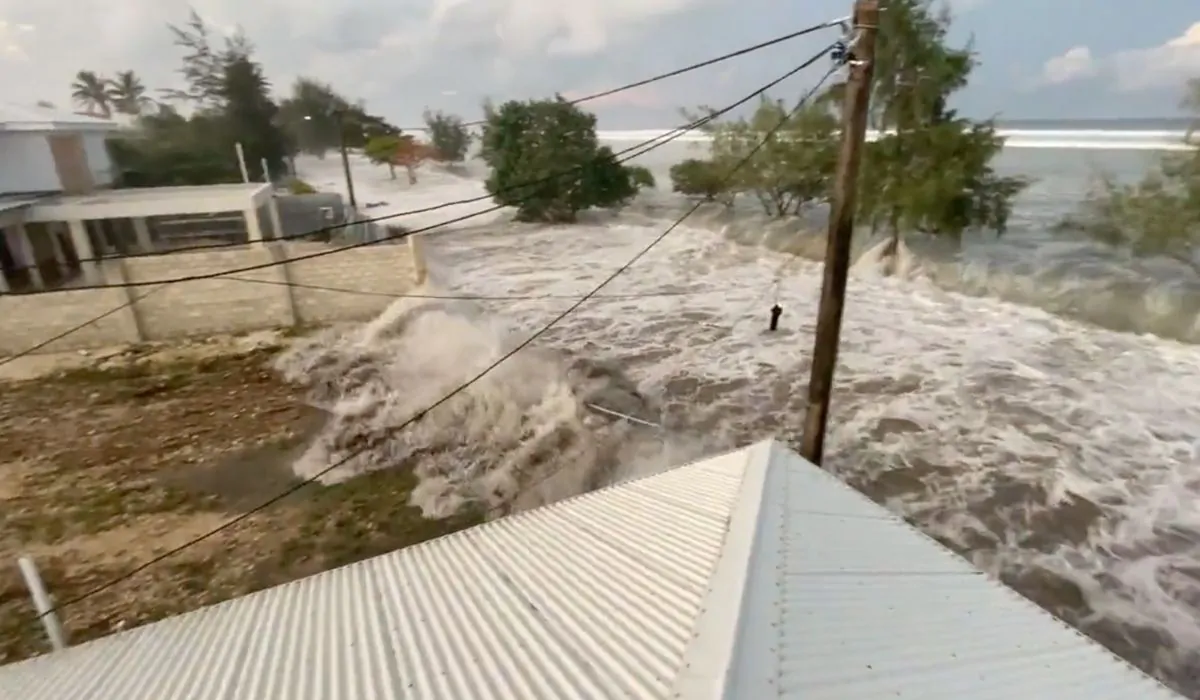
(392, 170)
(412, 174)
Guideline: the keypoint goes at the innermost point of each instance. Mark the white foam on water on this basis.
(1059, 455)
(1091, 139)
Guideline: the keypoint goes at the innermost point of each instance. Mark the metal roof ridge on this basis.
(708, 663)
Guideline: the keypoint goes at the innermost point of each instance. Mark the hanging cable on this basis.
(728, 177)
(606, 93)
(655, 142)
(453, 393)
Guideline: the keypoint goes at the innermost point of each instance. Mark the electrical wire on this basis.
(501, 508)
(646, 146)
(662, 139)
(606, 93)
(159, 284)
(456, 391)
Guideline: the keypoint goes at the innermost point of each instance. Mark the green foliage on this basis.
(937, 179)
(318, 119)
(788, 172)
(526, 143)
(128, 94)
(297, 186)
(448, 135)
(249, 116)
(641, 178)
(1158, 216)
(932, 172)
(698, 178)
(91, 92)
(169, 150)
(231, 104)
(383, 150)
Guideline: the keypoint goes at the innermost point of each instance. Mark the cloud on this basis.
(1162, 66)
(13, 39)
(398, 55)
(1076, 64)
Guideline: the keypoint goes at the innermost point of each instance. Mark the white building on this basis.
(747, 576)
(58, 213)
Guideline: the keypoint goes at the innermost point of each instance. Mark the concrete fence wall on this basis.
(230, 304)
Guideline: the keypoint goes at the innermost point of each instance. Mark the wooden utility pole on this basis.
(861, 58)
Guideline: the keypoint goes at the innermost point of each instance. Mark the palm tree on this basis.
(90, 91)
(128, 94)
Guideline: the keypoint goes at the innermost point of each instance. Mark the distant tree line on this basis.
(228, 101)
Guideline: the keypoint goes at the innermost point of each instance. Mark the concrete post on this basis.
(89, 263)
(276, 222)
(29, 257)
(279, 255)
(141, 231)
(60, 256)
(416, 246)
(253, 230)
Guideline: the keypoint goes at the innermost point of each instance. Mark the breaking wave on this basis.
(502, 443)
(1074, 279)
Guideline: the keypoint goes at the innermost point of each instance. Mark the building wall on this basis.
(26, 163)
(95, 145)
(29, 162)
(212, 306)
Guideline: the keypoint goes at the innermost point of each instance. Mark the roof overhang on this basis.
(151, 201)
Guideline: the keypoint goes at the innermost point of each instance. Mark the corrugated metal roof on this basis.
(750, 575)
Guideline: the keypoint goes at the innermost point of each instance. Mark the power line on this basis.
(648, 145)
(695, 66)
(462, 387)
(729, 176)
(613, 91)
(159, 284)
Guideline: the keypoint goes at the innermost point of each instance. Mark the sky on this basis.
(1044, 59)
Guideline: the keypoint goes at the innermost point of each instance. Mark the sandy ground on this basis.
(109, 458)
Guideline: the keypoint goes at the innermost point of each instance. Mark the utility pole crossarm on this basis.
(859, 58)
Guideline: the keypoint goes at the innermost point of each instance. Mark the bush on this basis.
(532, 142)
(298, 186)
(448, 135)
(641, 177)
(698, 178)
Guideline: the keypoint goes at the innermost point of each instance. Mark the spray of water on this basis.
(522, 435)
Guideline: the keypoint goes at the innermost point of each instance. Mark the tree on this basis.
(932, 170)
(1158, 216)
(128, 94)
(91, 92)
(528, 143)
(448, 135)
(698, 178)
(204, 65)
(231, 105)
(168, 150)
(788, 172)
(310, 116)
(384, 150)
(249, 115)
(641, 177)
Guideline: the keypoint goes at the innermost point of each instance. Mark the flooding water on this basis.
(993, 395)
